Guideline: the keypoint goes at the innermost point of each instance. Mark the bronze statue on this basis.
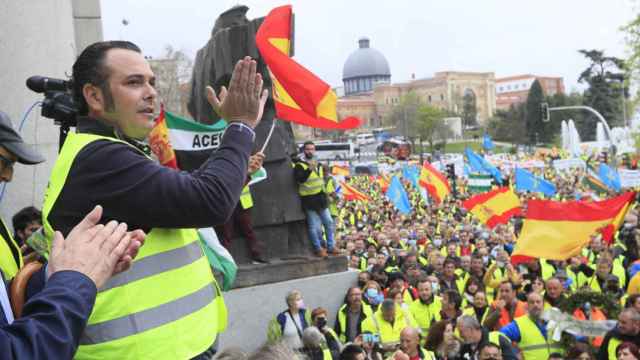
(277, 215)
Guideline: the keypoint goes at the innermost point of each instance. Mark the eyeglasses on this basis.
(6, 163)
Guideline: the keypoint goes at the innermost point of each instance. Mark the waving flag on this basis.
(479, 164)
(411, 173)
(526, 181)
(609, 177)
(436, 184)
(398, 196)
(487, 143)
(179, 142)
(592, 180)
(559, 230)
(383, 182)
(340, 170)
(351, 193)
(494, 207)
(299, 95)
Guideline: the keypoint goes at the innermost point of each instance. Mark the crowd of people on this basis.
(439, 284)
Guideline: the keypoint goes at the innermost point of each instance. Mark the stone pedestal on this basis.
(251, 308)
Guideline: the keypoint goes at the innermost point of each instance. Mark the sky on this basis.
(507, 37)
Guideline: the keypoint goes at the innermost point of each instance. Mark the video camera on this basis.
(58, 102)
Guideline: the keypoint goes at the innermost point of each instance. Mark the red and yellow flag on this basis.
(299, 95)
(159, 143)
(436, 184)
(383, 182)
(609, 231)
(340, 170)
(494, 207)
(559, 230)
(351, 193)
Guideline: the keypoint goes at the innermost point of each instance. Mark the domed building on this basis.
(364, 68)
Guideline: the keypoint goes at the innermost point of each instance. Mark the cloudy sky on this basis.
(417, 37)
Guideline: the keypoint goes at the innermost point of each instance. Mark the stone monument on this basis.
(278, 218)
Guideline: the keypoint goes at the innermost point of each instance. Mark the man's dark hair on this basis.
(24, 217)
(488, 344)
(90, 68)
(454, 297)
(351, 352)
(308, 142)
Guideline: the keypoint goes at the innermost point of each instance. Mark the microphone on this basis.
(42, 84)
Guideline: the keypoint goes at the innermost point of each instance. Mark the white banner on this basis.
(629, 178)
(569, 164)
(559, 322)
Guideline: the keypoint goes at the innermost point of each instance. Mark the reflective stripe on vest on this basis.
(8, 263)
(326, 354)
(532, 343)
(166, 306)
(246, 201)
(314, 184)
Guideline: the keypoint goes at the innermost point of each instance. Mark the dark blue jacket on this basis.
(52, 320)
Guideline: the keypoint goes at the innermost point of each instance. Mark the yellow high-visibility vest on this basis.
(10, 254)
(314, 184)
(167, 306)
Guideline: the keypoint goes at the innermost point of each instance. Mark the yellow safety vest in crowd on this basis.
(611, 348)
(494, 337)
(546, 269)
(167, 306)
(532, 344)
(330, 188)
(10, 255)
(471, 312)
(426, 314)
(314, 183)
(326, 354)
(389, 333)
(246, 201)
(342, 319)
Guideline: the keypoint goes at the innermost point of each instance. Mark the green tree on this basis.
(469, 109)
(431, 125)
(605, 77)
(509, 125)
(632, 38)
(404, 115)
(533, 114)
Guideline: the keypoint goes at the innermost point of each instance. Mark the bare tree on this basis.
(173, 71)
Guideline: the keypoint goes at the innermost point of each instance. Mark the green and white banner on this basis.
(479, 183)
(192, 141)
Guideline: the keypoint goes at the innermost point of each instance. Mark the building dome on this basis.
(363, 68)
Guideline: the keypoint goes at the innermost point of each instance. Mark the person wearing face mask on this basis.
(373, 295)
(309, 176)
(351, 315)
(319, 320)
(288, 325)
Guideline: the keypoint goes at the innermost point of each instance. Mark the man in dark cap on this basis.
(12, 150)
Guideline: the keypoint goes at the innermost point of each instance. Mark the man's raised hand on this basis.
(245, 99)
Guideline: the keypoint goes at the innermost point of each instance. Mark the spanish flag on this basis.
(160, 144)
(436, 184)
(494, 207)
(383, 182)
(299, 95)
(559, 230)
(351, 193)
(609, 231)
(340, 170)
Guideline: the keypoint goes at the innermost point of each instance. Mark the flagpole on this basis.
(266, 142)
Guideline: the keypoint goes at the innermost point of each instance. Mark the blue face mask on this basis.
(371, 293)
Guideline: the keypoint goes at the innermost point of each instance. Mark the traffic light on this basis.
(544, 107)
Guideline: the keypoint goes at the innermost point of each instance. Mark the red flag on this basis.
(299, 95)
(159, 142)
(351, 193)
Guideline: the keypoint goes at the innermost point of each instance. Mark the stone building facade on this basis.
(514, 90)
